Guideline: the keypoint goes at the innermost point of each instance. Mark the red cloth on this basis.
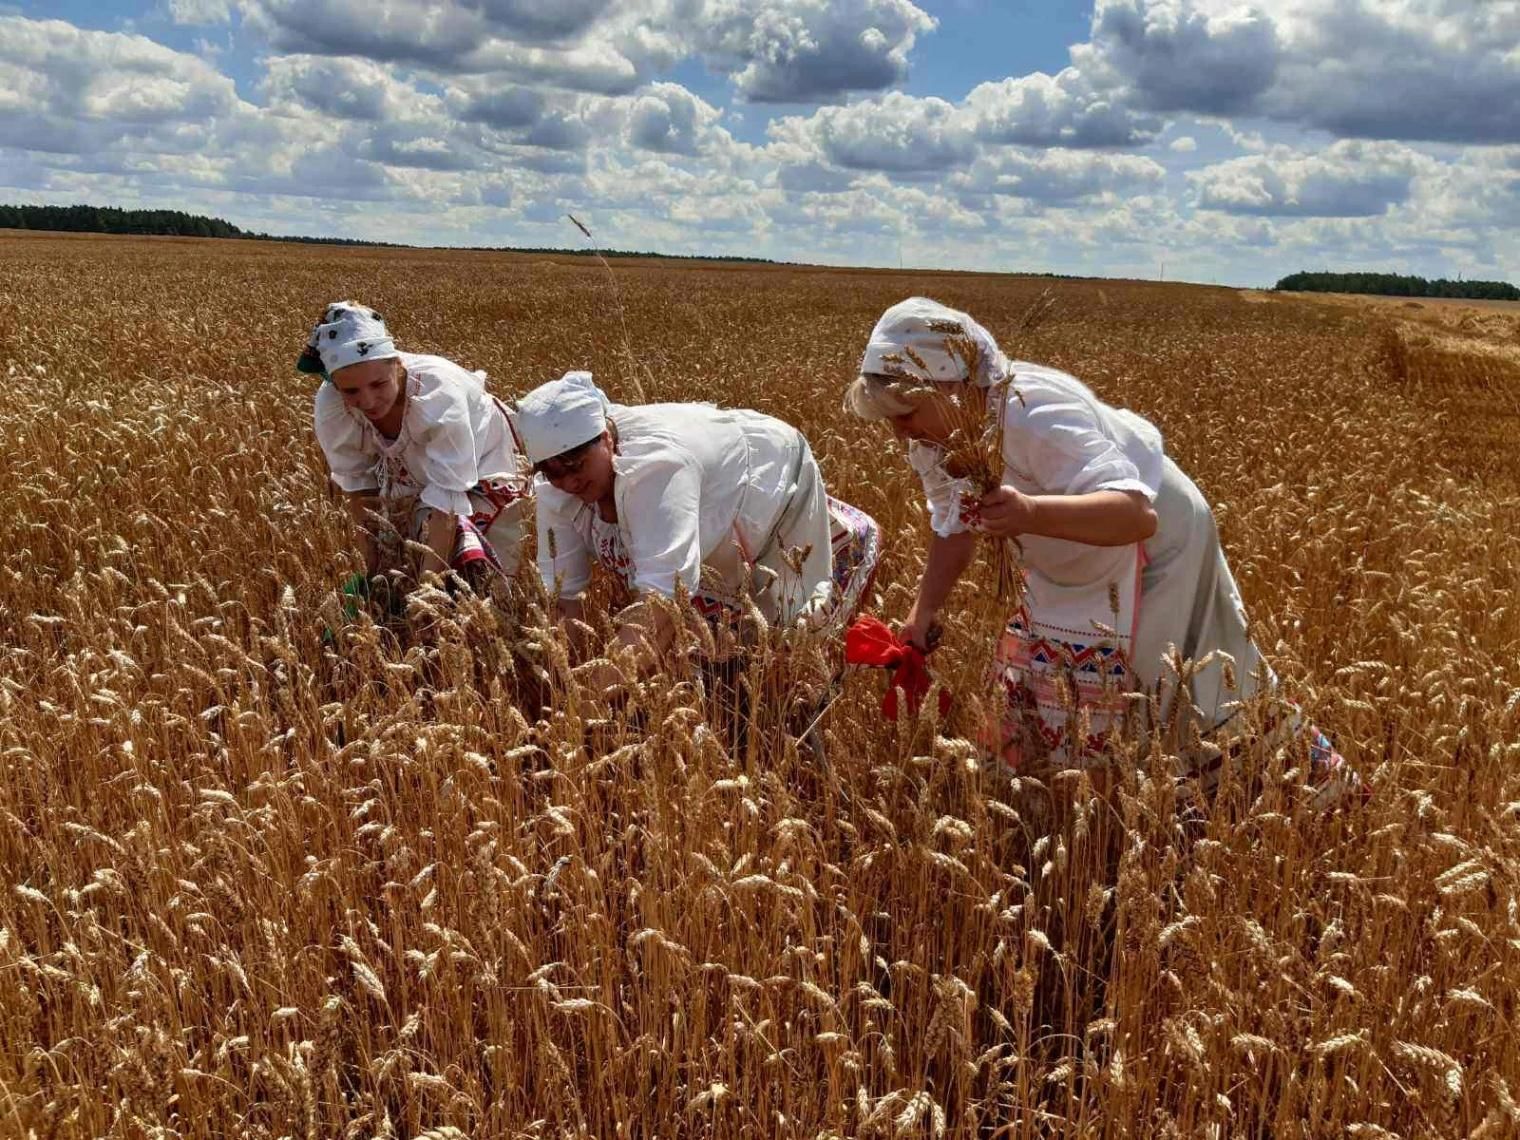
(869, 642)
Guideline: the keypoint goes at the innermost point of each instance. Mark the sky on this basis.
(1202, 140)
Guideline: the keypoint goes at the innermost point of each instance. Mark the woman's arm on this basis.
(647, 627)
(442, 530)
(948, 559)
(351, 467)
(360, 505)
(571, 613)
(1091, 489)
(448, 466)
(1098, 518)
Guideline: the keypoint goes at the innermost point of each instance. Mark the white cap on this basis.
(560, 415)
(347, 334)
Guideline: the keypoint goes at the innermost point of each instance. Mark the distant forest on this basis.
(111, 220)
(1398, 285)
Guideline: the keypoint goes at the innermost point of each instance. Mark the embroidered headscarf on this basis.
(348, 333)
(561, 415)
(918, 342)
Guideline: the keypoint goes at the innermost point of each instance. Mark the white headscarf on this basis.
(348, 333)
(560, 415)
(924, 329)
(920, 341)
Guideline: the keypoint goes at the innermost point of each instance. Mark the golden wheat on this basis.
(412, 881)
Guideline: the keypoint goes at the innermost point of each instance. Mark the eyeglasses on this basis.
(566, 463)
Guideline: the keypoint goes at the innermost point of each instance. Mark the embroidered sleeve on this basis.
(942, 492)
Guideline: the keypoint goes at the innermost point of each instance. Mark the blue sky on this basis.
(1219, 139)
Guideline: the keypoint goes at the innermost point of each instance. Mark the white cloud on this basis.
(343, 89)
(897, 133)
(1433, 70)
(485, 123)
(1058, 175)
(789, 51)
(670, 119)
(965, 148)
(415, 31)
(543, 19)
(1350, 179)
(443, 33)
(814, 178)
(200, 12)
(1185, 55)
(559, 129)
(418, 147)
(1472, 199)
(324, 172)
(598, 66)
(1060, 110)
(774, 50)
(501, 105)
(70, 90)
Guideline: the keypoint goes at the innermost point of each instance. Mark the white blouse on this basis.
(453, 436)
(696, 487)
(1058, 439)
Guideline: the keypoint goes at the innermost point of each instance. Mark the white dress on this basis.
(454, 453)
(1101, 619)
(710, 498)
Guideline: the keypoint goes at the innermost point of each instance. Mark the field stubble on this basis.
(258, 886)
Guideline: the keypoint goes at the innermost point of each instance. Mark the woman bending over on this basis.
(419, 441)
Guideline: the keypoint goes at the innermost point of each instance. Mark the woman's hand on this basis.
(1006, 512)
(923, 633)
(948, 559)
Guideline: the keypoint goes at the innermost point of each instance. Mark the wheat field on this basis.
(262, 884)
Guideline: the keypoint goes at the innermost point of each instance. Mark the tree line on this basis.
(114, 220)
(1398, 285)
(111, 220)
